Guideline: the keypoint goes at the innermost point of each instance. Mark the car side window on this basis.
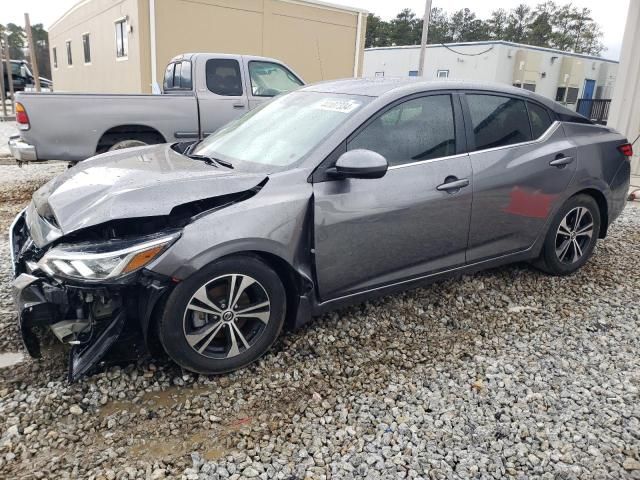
(270, 79)
(540, 119)
(418, 129)
(223, 77)
(498, 121)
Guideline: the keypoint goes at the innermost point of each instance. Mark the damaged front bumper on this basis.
(90, 318)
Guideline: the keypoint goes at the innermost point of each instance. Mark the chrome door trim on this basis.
(422, 162)
(541, 139)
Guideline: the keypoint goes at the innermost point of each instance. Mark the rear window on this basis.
(498, 121)
(540, 119)
(177, 76)
(223, 77)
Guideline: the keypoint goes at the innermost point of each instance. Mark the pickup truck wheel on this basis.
(223, 317)
(127, 144)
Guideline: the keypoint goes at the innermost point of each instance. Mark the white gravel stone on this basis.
(505, 374)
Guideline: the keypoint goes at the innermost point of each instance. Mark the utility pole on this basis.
(32, 52)
(7, 58)
(425, 33)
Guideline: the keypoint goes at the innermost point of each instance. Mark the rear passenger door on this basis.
(221, 93)
(522, 163)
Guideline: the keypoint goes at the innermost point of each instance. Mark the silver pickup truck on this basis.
(201, 92)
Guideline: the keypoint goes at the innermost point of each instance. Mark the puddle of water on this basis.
(10, 359)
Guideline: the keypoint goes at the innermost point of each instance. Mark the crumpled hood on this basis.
(139, 182)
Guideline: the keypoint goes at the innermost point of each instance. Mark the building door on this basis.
(587, 94)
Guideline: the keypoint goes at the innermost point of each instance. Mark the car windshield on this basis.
(279, 134)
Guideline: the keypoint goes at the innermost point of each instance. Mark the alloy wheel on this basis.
(574, 235)
(226, 316)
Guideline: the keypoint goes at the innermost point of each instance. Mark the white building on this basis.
(565, 77)
(625, 109)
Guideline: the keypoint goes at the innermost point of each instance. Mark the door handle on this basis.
(239, 105)
(561, 161)
(452, 183)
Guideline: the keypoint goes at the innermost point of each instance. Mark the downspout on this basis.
(155, 88)
(358, 35)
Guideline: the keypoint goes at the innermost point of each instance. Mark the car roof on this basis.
(400, 86)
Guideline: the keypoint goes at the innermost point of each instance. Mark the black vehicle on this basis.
(23, 78)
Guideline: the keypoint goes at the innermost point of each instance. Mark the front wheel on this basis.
(572, 236)
(224, 317)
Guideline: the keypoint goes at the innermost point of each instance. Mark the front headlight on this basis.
(103, 261)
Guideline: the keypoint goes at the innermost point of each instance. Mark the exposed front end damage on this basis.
(60, 284)
(90, 318)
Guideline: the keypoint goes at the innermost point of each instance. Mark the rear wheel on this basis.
(127, 143)
(223, 317)
(572, 236)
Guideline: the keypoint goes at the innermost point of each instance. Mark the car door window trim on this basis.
(430, 160)
(543, 138)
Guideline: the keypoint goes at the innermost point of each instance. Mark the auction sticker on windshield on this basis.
(337, 105)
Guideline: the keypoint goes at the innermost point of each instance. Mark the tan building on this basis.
(122, 46)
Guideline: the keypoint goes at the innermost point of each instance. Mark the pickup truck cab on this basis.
(201, 92)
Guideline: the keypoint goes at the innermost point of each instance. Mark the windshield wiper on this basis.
(210, 160)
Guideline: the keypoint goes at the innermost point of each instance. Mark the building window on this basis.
(54, 50)
(413, 73)
(379, 74)
(568, 95)
(442, 74)
(527, 86)
(122, 39)
(69, 59)
(86, 47)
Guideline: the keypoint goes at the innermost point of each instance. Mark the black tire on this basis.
(178, 323)
(551, 259)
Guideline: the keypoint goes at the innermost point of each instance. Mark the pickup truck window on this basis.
(270, 79)
(223, 77)
(177, 76)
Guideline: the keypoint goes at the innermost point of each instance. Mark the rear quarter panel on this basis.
(600, 165)
(69, 126)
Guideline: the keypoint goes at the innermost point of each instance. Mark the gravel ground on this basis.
(505, 374)
(6, 130)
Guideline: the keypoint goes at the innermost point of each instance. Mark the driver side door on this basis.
(370, 233)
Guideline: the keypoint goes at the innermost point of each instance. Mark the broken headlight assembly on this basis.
(104, 260)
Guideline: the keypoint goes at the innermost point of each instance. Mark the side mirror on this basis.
(360, 164)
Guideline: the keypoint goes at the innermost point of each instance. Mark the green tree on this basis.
(438, 27)
(41, 42)
(465, 27)
(377, 32)
(16, 37)
(518, 24)
(405, 29)
(497, 24)
(541, 28)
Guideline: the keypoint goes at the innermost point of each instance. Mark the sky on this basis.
(610, 14)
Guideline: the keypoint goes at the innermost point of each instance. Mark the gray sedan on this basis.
(326, 196)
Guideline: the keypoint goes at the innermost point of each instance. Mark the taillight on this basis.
(21, 116)
(626, 150)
